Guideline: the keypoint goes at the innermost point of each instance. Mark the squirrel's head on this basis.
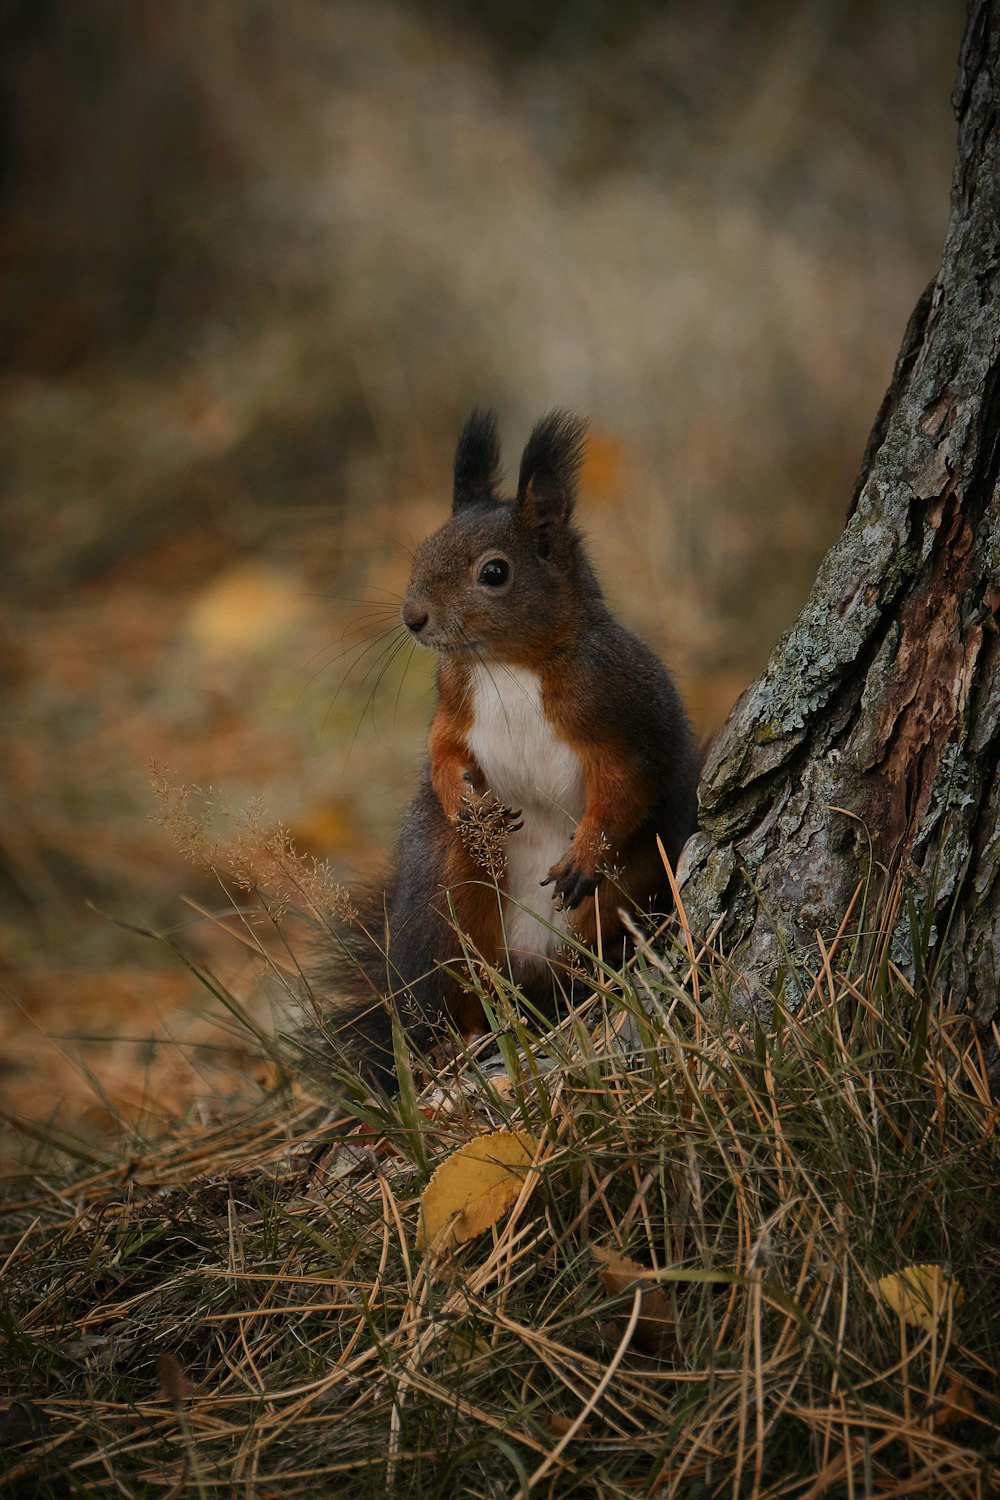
(500, 579)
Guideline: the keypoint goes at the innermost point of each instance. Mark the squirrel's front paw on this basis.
(573, 883)
(483, 825)
(486, 812)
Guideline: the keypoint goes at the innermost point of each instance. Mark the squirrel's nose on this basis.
(414, 617)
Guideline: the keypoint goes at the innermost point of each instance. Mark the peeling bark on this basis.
(871, 741)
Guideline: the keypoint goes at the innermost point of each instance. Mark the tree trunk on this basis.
(870, 743)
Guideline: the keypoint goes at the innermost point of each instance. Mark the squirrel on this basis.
(558, 751)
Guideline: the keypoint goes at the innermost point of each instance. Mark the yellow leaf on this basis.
(465, 1348)
(473, 1186)
(655, 1330)
(921, 1295)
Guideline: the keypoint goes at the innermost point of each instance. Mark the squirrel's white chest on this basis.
(529, 769)
(524, 763)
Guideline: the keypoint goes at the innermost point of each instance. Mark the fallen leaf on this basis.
(921, 1295)
(602, 466)
(467, 1347)
(330, 825)
(655, 1330)
(559, 1426)
(245, 609)
(473, 1186)
(955, 1404)
(20, 1421)
(174, 1384)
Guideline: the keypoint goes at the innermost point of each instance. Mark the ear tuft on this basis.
(550, 467)
(477, 461)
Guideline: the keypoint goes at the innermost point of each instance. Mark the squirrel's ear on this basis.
(477, 461)
(550, 467)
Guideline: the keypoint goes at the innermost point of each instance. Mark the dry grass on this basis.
(245, 1311)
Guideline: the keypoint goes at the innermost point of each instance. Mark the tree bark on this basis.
(870, 743)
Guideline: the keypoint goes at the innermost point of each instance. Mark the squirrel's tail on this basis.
(345, 987)
(369, 976)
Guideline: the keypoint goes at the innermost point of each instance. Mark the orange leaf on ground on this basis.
(656, 1329)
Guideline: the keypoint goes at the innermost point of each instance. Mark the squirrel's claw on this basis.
(473, 811)
(512, 821)
(573, 884)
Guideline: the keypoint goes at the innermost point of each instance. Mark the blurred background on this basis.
(258, 261)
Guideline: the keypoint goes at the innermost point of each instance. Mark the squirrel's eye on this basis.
(495, 572)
